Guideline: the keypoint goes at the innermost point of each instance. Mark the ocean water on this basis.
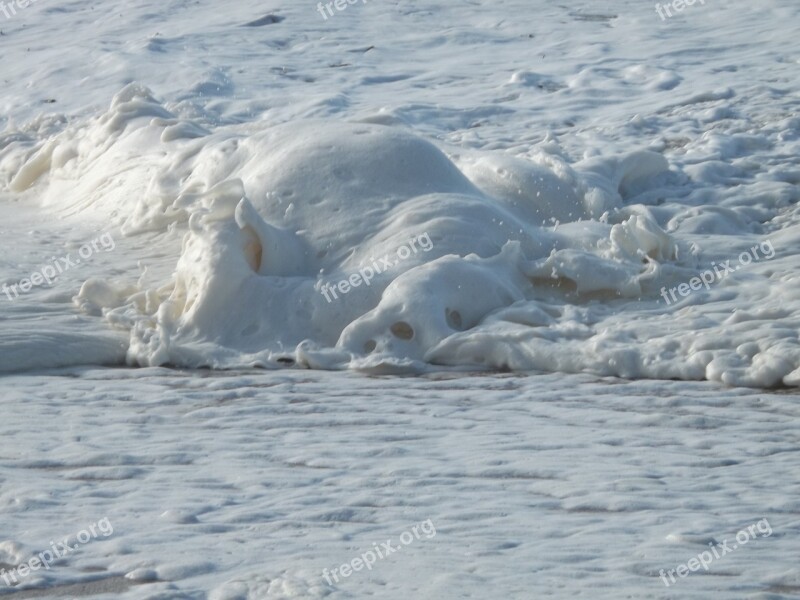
(229, 230)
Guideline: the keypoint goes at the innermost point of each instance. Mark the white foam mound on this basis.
(483, 259)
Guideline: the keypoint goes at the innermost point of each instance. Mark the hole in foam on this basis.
(453, 318)
(253, 249)
(402, 330)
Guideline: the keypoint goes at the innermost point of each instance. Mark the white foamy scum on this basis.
(531, 263)
(231, 231)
